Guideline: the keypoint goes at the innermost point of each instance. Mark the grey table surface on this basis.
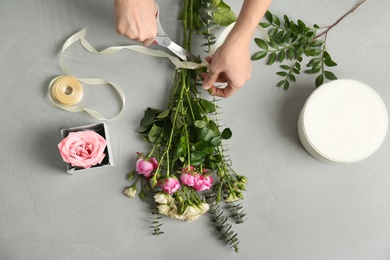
(297, 206)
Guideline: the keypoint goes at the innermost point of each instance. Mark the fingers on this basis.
(210, 77)
(223, 92)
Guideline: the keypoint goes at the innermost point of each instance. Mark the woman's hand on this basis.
(136, 19)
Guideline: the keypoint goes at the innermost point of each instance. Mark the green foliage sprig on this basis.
(290, 41)
(222, 226)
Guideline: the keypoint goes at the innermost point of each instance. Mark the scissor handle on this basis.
(161, 38)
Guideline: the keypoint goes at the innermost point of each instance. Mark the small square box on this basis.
(101, 129)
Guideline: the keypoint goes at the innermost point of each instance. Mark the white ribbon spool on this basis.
(343, 121)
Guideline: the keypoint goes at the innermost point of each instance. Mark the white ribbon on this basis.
(80, 36)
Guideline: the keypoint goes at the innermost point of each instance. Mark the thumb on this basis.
(210, 79)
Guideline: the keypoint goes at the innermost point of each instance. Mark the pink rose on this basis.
(203, 183)
(189, 179)
(145, 167)
(170, 185)
(83, 149)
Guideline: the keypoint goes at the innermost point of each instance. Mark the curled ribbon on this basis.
(65, 91)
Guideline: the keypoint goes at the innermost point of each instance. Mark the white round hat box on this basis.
(343, 121)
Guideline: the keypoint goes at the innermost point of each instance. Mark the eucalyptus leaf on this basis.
(226, 133)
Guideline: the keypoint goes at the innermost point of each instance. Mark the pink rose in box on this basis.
(83, 149)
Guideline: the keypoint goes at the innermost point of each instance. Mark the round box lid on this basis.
(343, 121)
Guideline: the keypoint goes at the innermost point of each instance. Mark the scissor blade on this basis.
(180, 51)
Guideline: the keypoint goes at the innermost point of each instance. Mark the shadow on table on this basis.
(291, 108)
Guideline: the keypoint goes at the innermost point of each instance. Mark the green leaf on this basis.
(208, 106)
(269, 16)
(301, 25)
(273, 44)
(164, 114)
(281, 56)
(310, 34)
(224, 15)
(276, 20)
(285, 67)
(280, 83)
(265, 25)
(154, 133)
(282, 73)
(286, 85)
(316, 43)
(259, 55)
(216, 141)
(178, 123)
(148, 117)
(292, 77)
(330, 63)
(319, 80)
(200, 123)
(226, 133)
(214, 127)
(272, 58)
(290, 53)
(326, 56)
(195, 110)
(313, 70)
(314, 62)
(207, 134)
(261, 43)
(273, 32)
(286, 20)
(313, 52)
(329, 75)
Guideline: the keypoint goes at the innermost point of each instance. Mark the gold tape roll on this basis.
(66, 90)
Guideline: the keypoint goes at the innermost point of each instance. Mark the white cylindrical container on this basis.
(343, 121)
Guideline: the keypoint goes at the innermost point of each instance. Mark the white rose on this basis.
(204, 207)
(163, 198)
(164, 209)
(130, 192)
(232, 197)
(191, 213)
(160, 198)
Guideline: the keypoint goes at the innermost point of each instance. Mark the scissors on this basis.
(162, 39)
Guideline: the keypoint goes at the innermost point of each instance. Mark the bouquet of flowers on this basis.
(187, 171)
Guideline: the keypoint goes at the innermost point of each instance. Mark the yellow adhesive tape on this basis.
(66, 90)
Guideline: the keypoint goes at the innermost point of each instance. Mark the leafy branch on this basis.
(291, 41)
(223, 228)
